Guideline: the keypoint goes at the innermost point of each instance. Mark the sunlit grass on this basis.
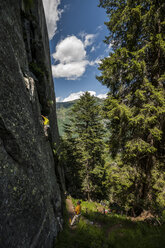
(87, 206)
(113, 231)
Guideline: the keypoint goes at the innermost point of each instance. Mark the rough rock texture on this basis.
(30, 195)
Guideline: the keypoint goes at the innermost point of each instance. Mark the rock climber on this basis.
(77, 213)
(46, 125)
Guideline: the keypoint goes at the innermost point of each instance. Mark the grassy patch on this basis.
(87, 206)
(114, 231)
(141, 236)
(83, 236)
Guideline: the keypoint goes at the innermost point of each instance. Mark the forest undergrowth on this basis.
(98, 230)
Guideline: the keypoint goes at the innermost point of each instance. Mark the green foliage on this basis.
(63, 112)
(158, 182)
(84, 236)
(71, 159)
(84, 146)
(50, 103)
(141, 237)
(87, 206)
(163, 216)
(119, 183)
(135, 108)
(104, 231)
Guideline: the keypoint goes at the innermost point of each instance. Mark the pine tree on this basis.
(135, 75)
(71, 159)
(87, 132)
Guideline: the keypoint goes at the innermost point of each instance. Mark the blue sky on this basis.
(76, 32)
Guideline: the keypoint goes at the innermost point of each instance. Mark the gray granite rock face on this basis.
(30, 196)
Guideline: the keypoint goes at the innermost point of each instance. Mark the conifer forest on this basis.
(115, 150)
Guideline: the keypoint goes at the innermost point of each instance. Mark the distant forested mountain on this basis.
(63, 109)
(65, 105)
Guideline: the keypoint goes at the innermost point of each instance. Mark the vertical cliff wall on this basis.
(30, 198)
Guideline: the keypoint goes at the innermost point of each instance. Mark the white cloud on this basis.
(73, 96)
(89, 39)
(82, 35)
(52, 14)
(100, 27)
(110, 46)
(102, 96)
(92, 49)
(96, 62)
(77, 95)
(70, 71)
(58, 99)
(92, 93)
(71, 55)
(70, 49)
